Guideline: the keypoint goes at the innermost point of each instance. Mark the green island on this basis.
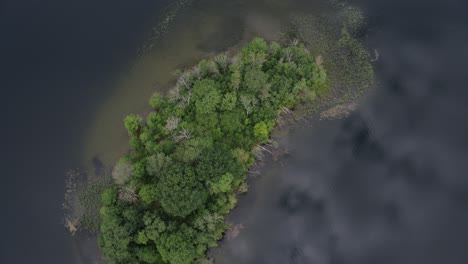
(167, 199)
(169, 196)
(190, 157)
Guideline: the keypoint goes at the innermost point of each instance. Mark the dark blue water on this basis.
(56, 62)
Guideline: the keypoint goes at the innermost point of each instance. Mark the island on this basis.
(189, 158)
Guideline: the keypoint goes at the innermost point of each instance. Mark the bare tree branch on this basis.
(172, 123)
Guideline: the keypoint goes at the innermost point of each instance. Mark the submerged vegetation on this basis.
(189, 158)
(336, 38)
(162, 26)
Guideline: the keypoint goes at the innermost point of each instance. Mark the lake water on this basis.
(386, 185)
(58, 63)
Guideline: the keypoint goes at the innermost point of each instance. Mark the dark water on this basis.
(388, 184)
(56, 60)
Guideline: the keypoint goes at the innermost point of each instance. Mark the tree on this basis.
(223, 185)
(148, 194)
(236, 79)
(122, 171)
(241, 155)
(154, 227)
(229, 101)
(256, 47)
(206, 96)
(223, 61)
(109, 197)
(255, 80)
(133, 124)
(177, 248)
(191, 149)
(172, 123)
(156, 163)
(115, 239)
(208, 68)
(217, 161)
(210, 226)
(209, 222)
(261, 131)
(232, 121)
(248, 102)
(184, 79)
(156, 101)
(115, 243)
(148, 255)
(128, 194)
(180, 193)
(154, 121)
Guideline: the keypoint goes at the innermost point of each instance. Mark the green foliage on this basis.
(179, 191)
(353, 18)
(141, 238)
(336, 45)
(148, 254)
(229, 101)
(133, 124)
(90, 201)
(206, 95)
(176, 248)
(215, 162)
(261, 131)
(154, 226)
(115, 237)
(122, 171)
(156, 101)
(223, 185)
(109, 197)
(258, 46)
(157, 163)
(236, 79)
(255, 80)
(354, 64)
(148, 194)
(178, 183)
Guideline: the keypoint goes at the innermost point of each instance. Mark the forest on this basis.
(189, 158)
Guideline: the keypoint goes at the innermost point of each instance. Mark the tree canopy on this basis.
(190, 156)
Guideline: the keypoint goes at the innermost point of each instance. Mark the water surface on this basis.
(57, 62)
